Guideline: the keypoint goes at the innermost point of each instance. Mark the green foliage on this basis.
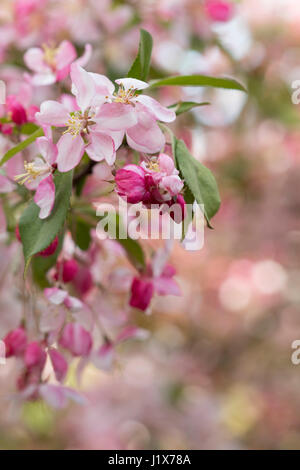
(198, 179)
(141, 65)
(37, 234)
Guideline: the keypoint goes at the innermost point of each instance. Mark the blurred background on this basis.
(216, 370)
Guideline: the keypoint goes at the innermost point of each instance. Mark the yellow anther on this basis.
(31, 172)
(50, 53)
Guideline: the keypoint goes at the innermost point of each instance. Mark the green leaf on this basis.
(184, 106)
(37, 234)
(29, 128)
(198, 179)
(41, 265)
(141, 65)
(81, 234)
(21, 146)
(199, 80)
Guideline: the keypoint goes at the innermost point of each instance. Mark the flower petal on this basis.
(52, 113)
(132, 83)
(83, 86)
(101, 147)
(159, 112)
(145, 136)
(47, 149)
(83, 60)
(70, 151)
(116, 117)
(34, 59)
(45, 197)
(65, 55)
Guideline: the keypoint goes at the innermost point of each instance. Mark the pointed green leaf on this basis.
(141, 65)
(184, 106)
(198, 178)
(37, 234)
(199, 80)
(21, 146)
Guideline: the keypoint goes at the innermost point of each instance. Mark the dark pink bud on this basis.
(6, 129)
(179, 212)
(59, 363)
(15, 342)
(141, 293)
(17, 233)
(15, 110)
(131, 184)
(219, 10)
(34, 356)
(66, 270)
(83, 281)
(50, 250)
(76, 339)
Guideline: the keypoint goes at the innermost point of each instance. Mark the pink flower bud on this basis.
(34, 356)
(76, 339)
(66, 270)
(50, 250)
(179, 214)
(141, 293)
(17, 233)
(60, 365)
(219, 10)
(131, 184)
(15, 110)
(83, 281)
(15, 342)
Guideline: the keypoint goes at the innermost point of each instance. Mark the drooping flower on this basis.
(15, 342)
(158, 278)
(154, 182)
(52, 64)
(40, 173)
(76, 339)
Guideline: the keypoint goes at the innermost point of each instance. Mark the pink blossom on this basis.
(50, 250)
(34, 356)
(154, 182)
(40, 172)
(158, 278)
(58, 396)
(15, 342)
(219, 10)
(59, 363)
(66, 270)
(59, 296)
(144, 135)
(76, 339)
(52, 64)
(142, 291)
(83, 133)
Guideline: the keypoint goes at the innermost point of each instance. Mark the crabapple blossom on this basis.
(144, 135)
(152, 182)
(144, 287)
(15, 342)
(82, 133)
(51, 64)
(76, 339)
(39, 172)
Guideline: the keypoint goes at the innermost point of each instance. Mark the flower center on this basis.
(79, 122)
(125, 96)
(50, 55)
(153, 166)
(32, 171)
